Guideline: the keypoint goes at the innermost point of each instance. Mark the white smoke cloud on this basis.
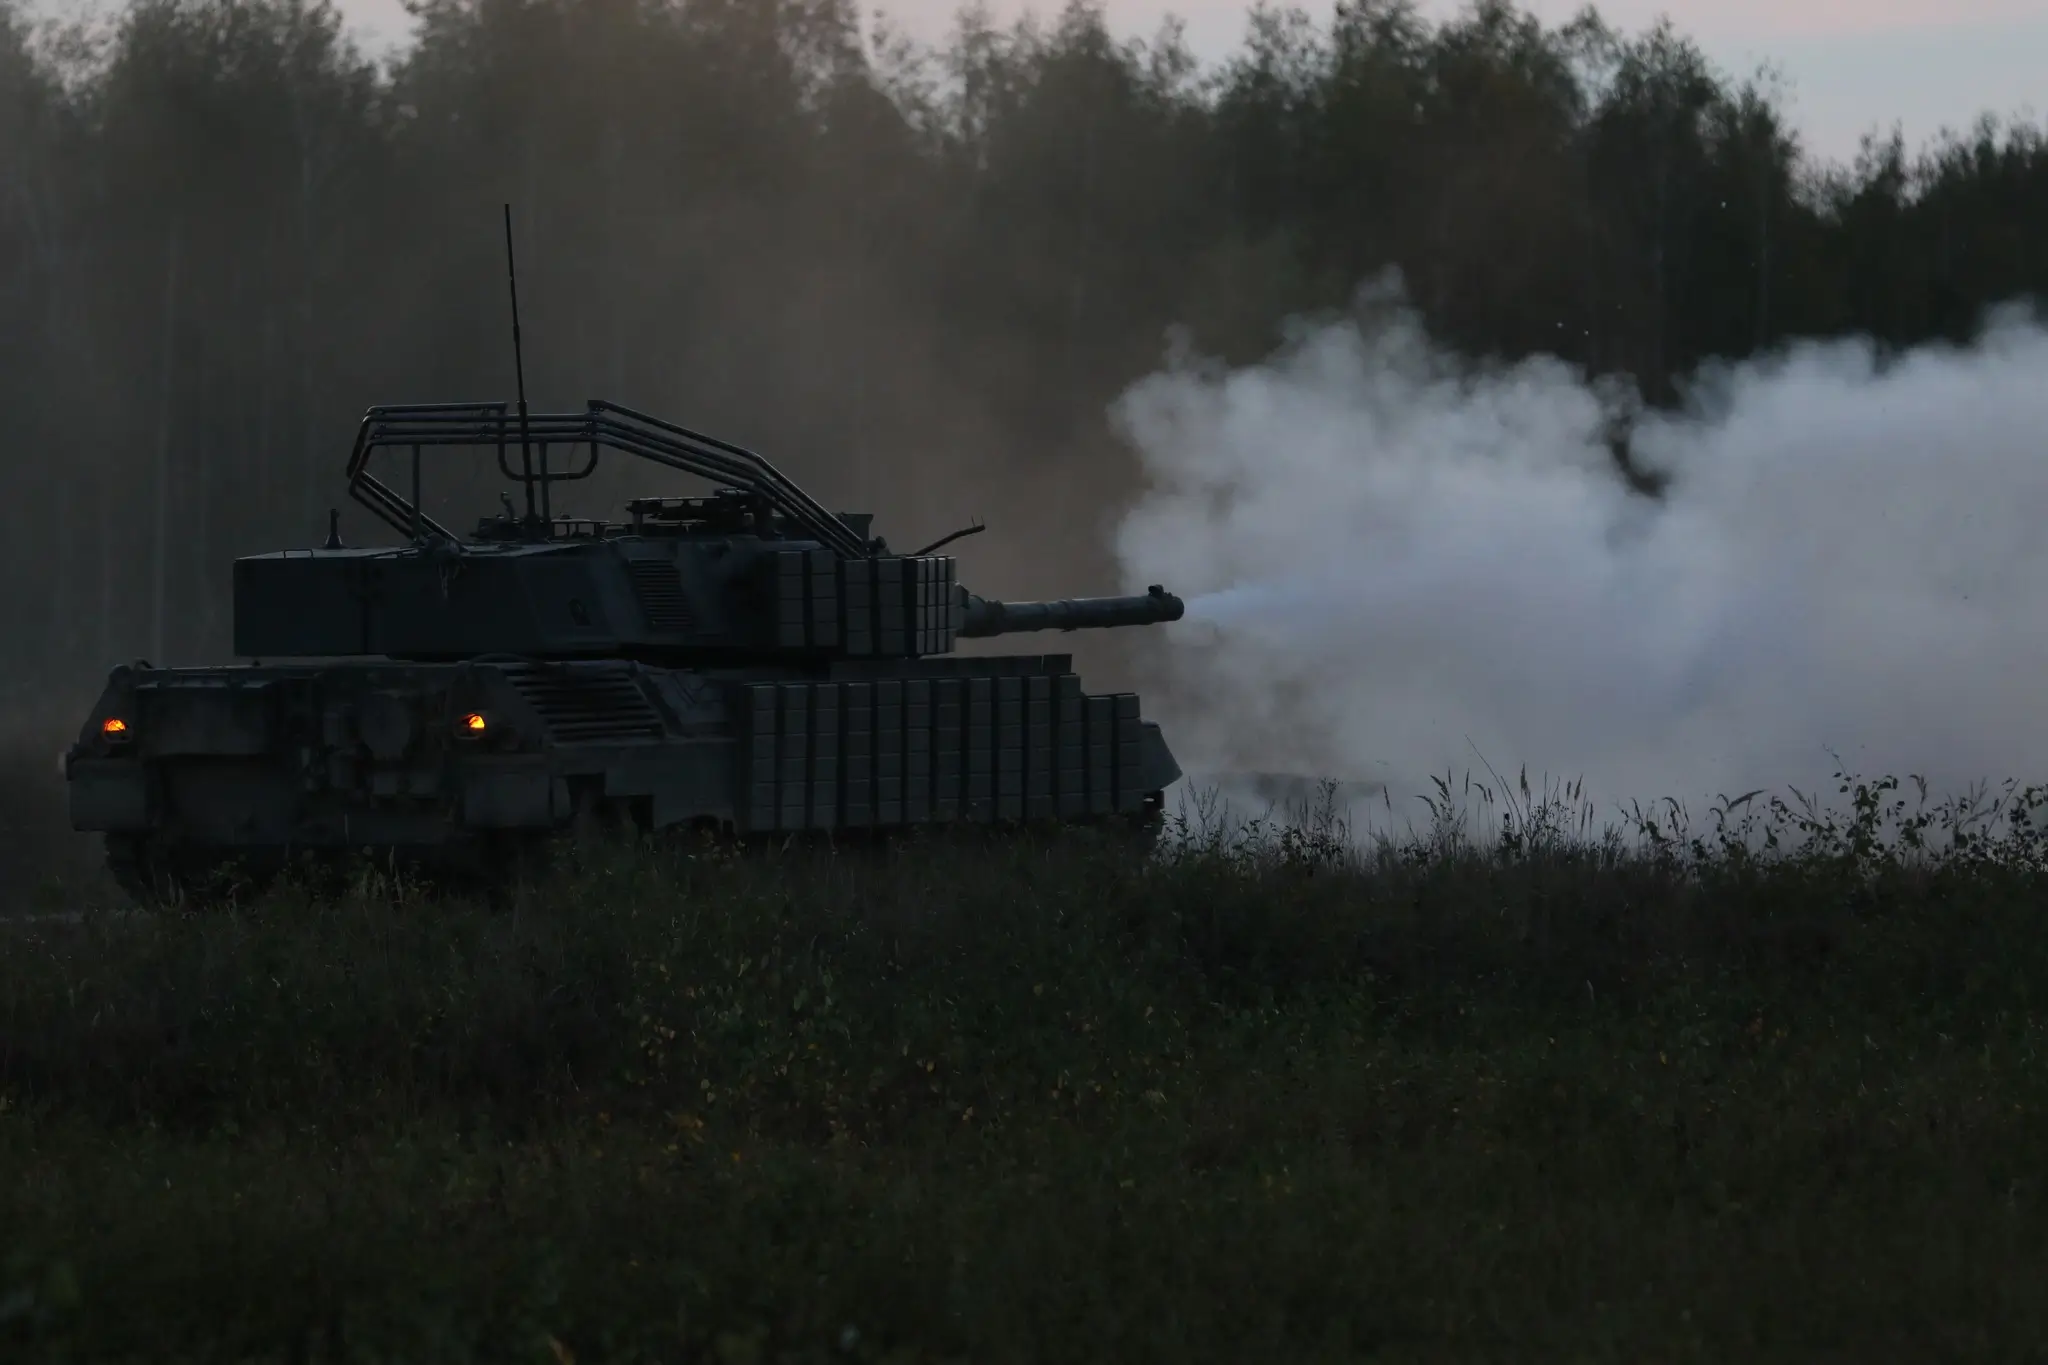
(1398, 561)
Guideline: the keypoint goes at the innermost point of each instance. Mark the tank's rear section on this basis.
(188, 769)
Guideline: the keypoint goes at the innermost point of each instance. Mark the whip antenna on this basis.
(519, 367)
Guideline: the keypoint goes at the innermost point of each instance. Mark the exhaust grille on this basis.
(660, 590)
(580, 705)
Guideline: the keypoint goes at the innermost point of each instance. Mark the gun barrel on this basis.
(986, 616)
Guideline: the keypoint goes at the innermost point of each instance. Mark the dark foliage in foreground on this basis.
(1772, 1093)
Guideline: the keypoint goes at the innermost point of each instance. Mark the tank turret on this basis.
(753, 572)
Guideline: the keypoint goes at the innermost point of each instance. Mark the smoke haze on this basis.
(1400, 563)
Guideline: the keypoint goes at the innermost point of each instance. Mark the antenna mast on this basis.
(519, 368)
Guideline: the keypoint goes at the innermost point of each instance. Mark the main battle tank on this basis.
(746, 661)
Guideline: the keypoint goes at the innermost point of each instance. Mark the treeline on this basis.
(916, 277)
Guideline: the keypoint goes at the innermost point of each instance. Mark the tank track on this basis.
(157, 877)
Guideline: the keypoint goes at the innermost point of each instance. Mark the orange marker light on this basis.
(113, 726)
(474, 723)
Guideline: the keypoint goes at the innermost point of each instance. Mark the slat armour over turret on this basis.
(756, 572)
(745, 659)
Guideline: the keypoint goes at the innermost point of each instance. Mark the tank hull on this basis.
(188, 769)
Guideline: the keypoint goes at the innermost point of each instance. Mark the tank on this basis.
(744, 661)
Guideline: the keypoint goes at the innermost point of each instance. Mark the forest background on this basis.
(915, 277)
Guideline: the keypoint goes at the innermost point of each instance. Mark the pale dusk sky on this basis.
(1852, 65)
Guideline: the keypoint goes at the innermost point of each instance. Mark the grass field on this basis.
(1770, 1093)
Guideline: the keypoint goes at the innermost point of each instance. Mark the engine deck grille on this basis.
(579, 705)
(660, 590)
